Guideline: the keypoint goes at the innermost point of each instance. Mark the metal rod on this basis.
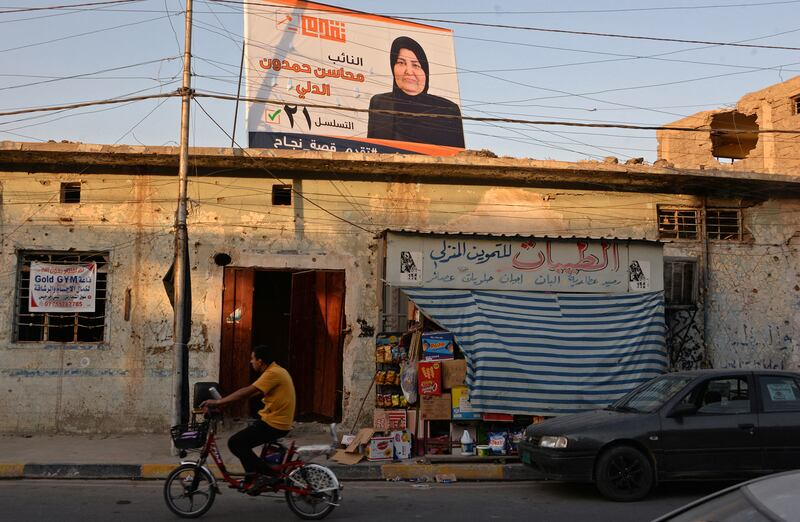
(182, 306)
(238, 91)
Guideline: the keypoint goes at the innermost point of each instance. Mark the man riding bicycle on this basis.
(276, 417)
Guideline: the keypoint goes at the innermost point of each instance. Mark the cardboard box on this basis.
(387, 420)
(432, 407)
(462, 408)
(454, 373)
(437, 345)
(402, 444)
(353, 453)
(429, 378)
(380, 449)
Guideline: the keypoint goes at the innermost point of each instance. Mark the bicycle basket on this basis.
(187, 436)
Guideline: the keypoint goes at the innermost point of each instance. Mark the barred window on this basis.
(680, 283)
(281, 194)
(678, 223)
(60, 327)
(724, 224)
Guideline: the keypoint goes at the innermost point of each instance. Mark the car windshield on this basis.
(651, 395)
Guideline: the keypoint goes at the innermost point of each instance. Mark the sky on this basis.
(53, 57)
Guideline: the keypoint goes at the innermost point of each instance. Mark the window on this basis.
(680, 283)
(721, 396)
(779, 393)
(723, 224)
(61, 327)
(796, 104)
(281, 194)
(678, 223)
(71, 192)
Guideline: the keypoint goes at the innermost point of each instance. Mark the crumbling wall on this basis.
(773, 108)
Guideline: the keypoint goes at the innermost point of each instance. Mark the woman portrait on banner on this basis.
(422, 122)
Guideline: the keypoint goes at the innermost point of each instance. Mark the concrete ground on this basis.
(150, 456)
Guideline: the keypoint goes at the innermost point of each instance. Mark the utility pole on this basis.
(183, 306)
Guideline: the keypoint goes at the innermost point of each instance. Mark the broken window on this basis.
(724, 224)
(281, 194)
(678, 223)
(71, 192)
(680, 282)
(733, 135)
(34, 325)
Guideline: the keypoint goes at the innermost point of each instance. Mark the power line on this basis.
(68, 6)
(507, 120)
(548, 30)
(281, 181)
(89, 104)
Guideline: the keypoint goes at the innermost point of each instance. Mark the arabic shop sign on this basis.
(62, 288)
(538, 264)
(301, 55)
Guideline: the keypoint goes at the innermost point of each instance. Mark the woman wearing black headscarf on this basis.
(410, 95)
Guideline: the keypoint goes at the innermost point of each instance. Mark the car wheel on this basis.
(624, 474)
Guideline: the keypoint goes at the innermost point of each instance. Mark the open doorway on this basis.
(300, 315)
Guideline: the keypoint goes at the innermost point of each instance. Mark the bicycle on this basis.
(312, 491)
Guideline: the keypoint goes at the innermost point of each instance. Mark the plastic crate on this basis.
(187, 436)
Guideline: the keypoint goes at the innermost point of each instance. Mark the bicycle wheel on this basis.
(323, 494)
(189, 491)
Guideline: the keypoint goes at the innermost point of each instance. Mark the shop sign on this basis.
(525, 264)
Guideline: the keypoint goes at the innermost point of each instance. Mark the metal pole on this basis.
(182, 305)
(238, 91)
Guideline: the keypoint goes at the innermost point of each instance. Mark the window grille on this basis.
(678, 223)
(796, 104)
(70, 193)
(724, 224)
(60, 327)
(680, 283)
(281, 194)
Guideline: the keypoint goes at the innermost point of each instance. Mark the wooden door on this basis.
(316, 343)
(237, 332)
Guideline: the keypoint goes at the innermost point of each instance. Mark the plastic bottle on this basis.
(467, 444)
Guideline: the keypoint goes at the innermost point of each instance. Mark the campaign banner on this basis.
(306, 62)
(62, 288)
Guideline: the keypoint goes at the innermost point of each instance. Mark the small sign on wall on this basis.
(410, 266)
(62, 288)
(639, 275)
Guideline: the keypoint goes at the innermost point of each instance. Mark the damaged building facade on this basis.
(287, 247)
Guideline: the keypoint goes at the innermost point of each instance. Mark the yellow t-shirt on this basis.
(279, 398)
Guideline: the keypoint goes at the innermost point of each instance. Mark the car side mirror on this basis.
(682, 410)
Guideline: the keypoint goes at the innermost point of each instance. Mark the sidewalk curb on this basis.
(360, 472)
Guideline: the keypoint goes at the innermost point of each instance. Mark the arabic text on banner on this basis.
(62, 288)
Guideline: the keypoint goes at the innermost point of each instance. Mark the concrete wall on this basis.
(125, 384)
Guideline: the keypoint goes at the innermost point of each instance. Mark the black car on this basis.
(685, 425)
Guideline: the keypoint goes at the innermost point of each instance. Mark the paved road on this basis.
(120, 501)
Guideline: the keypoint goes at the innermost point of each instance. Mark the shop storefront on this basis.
(491, 333)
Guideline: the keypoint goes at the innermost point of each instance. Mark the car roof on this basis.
(721, 371)
(774, 493)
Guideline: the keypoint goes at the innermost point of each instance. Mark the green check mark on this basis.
(274, 115)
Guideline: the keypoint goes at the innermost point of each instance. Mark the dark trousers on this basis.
(242, 443)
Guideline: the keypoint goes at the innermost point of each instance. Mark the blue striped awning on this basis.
(533, 353)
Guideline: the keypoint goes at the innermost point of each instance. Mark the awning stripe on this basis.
(550, 353)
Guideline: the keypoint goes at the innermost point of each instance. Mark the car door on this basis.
(720, 436)
(779, 420)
